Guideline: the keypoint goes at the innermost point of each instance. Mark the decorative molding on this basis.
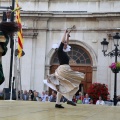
(61, 1)
(94, 68)
(30, 33)
(47, 67)
(80, 0)
(25, 1)
(110, 36)
(69, 14)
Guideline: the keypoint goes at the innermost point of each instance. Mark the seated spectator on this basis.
(31, 95)
(74, 99)
(47, 93)
(108, 99)
(36, 98)
(100, 101)
(43, 96)
(1, 95)
(25, 95)
(118, 98)
(53, 99)
(86, 100)
(91, 101)
(108, 102)
(81, 97)
(79, 101)
(40, 99)
(47, 99)
(50, 97)
(18, 95)
(63, 99)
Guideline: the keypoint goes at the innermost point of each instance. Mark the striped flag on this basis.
(20, 35)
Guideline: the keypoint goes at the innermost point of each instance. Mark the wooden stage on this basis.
(28, 110)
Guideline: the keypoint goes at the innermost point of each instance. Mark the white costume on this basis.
(100, 102)
(65, 80)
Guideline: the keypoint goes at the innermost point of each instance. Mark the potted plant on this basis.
(115, 67)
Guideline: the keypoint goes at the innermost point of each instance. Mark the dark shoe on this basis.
(58, 106)
(71, 103)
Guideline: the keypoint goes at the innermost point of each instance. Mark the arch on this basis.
(79, 43)
(78, 56)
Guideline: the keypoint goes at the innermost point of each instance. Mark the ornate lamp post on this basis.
(114, 53)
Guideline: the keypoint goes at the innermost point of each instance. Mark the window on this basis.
(78, 56)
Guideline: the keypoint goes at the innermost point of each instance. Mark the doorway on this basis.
(80, 60)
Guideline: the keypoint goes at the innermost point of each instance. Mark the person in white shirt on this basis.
(43, 96)
(100, 101)
(86, 100)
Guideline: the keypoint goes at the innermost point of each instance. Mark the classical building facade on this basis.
(44, 22)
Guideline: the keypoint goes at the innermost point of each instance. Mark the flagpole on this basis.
(20, 45)
(20, 80)
(11, 45)
(15, 66)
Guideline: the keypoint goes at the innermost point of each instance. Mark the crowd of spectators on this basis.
(85, 99)
(36, 96)
(80, 98)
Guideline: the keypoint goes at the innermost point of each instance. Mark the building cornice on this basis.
(91, 30)
(68, 14)
(27, 1)
(30, 33)
(62, 0)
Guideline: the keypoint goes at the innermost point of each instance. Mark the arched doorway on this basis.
(80, 60)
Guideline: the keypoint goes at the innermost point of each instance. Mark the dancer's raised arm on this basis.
(67, 40)
(64, 37)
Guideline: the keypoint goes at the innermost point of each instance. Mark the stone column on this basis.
(47, 72)
(40, 54)
(94, 74)
(32, 76)
(28, 60)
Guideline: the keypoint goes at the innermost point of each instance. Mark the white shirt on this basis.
(54, 46)
(44, 97)
(8, 20)
(100, 102)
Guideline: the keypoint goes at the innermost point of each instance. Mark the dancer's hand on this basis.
(68, 35)
(66, 31)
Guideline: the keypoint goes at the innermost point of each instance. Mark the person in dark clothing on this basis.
(31, 95)
(6, 31)
(53, 99)
(65, 81)
(64, 59)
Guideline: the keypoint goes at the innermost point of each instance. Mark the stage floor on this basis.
(28, 110)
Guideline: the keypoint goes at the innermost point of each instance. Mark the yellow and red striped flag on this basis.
(20, 35)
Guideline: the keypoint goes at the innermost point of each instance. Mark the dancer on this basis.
(6, 31)
(65, 81)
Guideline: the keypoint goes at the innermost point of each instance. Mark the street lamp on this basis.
(114, 53)
(105, 45)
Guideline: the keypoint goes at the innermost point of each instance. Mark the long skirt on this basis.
(65, 80)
